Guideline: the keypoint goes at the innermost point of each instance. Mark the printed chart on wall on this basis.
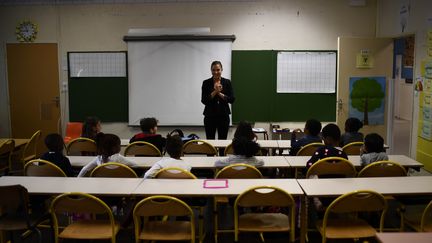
(306, 72)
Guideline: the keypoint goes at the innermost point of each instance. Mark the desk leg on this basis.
(303, 219)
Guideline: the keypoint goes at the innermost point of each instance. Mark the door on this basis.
(33, 80)
(380, 52)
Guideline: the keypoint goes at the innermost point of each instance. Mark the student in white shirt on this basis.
(174, 147)
(108, 146)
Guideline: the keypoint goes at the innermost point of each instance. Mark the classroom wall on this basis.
(389, 25)
(258, 25)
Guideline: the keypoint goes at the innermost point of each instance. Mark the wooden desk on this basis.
(408, 185)
(194, 187)
(404, 237)
(58, 185)
(196, 162)
(18, 141)
(300, 161)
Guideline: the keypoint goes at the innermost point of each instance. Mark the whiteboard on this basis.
(165, 78)
(306, 72)
(97, 64)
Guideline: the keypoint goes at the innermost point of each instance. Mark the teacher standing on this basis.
(216, 95)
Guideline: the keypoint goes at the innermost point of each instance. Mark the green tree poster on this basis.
(367, 99)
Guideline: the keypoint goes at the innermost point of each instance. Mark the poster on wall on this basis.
(366, 99)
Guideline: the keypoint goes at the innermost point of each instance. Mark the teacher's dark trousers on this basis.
(219, 123)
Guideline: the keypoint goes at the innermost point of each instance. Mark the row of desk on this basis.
(303, 188)
(202, 162)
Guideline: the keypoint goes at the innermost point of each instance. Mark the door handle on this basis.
(56, 100)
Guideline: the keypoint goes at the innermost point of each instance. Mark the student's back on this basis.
(244, 153)
(55, 145)
(373, 149)
(149, 134)
(311, 130)
(352, 134)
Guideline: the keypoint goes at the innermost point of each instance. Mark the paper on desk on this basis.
(215, 183)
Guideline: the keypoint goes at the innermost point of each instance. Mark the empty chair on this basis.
(93, 228)
(26, 154)
(6, 150)
(332, 167)
(352, 148)
(340, 218)
(309, 149)
(81, 146)
(420, 221)
(73, 130)
(174, 173)
(142, 149)
(199, 147)
(153, 228)
(229, 150)
(383, 169)
(39, 167)
(264, 196)
(15, 212)
(114, 170)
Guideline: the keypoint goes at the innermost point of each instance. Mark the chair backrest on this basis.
(426, 219)
(309, 149)
(383, 169)
(14, 200)
(6, 150)
(142, 148)
(81, 145)
(174, 173)
(239, 171)
(264, 196)
(358, 201)
(113, 170)
(352, 148)
(73, 130)
(30, 148)
(39, 167)
(229, 150)
(199, 147)
(333, 167)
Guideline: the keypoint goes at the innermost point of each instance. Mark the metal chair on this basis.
(39, 167)
(174, 173)
(22, 156)
(81, 146)
(113, 170)
(420, 221)
(309, 149)
(352, 148)
(142, 148)
(82, 203)
(153, 229)
(264, 196)
(383, 169)
(199, 147)
(332, 166)
(6, 151)
(351, 226)
(229, 150)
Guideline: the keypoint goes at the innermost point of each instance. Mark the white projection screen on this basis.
(165, 78)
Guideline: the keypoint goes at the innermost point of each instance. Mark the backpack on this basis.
(184, 138)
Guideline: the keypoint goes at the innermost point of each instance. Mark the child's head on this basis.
(331, 134)
(312, 127)
(353, 124)
(245, 146)
(149, 125)
(54, 142)
(374, 143)
(174, 146)
(244, 129)
(91, 127)
(107, 145)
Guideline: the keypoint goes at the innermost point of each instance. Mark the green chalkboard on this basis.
(104, 97)
(254, 82)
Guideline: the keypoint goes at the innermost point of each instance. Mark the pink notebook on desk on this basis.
(215, 183)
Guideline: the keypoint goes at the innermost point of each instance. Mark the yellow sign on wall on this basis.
(364, 60)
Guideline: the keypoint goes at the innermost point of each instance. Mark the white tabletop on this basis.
(300, 161)
(284, 144)
(195, 187)
(409, 185)
(196, 162)
(403, 237)
(58, 185)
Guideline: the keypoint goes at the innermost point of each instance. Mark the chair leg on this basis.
(261, 236)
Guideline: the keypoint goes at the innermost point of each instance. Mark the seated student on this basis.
(55, 145)
(174, 147)
(244, 129)
(331, 135)
(108, 147)
(373, 149)
(311, 130)
(91, 127)
(352, 134)
(244, 152)
(148, 134)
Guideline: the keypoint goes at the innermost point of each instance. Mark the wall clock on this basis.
(26, 31)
